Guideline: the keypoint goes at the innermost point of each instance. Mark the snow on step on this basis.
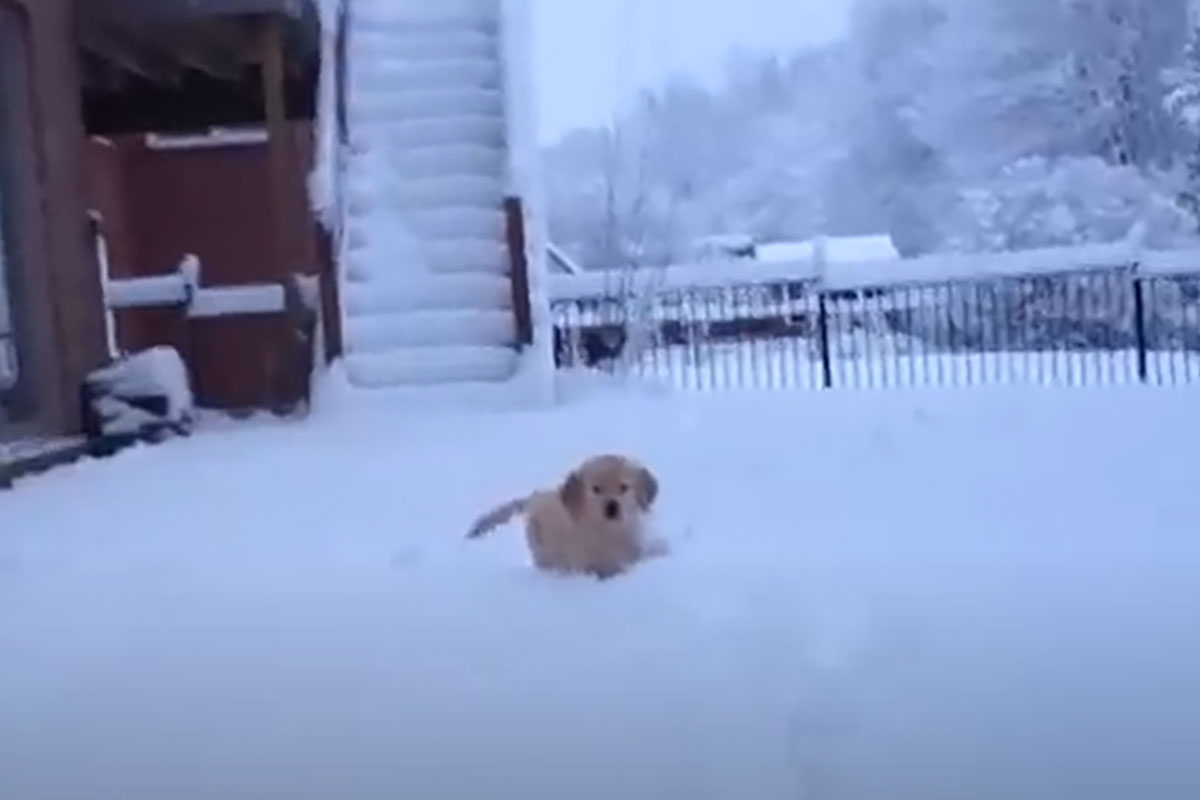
(432, 104)
(483, 292)
(461, 191)
(430, 365)
(447, 160)
(460, 44)
(457, 223)
(432, 75)
(453, 256)
(372, 334)
(486, 131)
(398, 18)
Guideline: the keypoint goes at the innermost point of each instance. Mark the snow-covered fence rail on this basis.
(182, 289)
(246, 346)
(1095, 314)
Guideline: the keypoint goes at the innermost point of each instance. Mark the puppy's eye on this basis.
(624, 488)
(597, 490)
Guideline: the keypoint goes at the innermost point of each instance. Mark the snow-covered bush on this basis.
(1041, 202)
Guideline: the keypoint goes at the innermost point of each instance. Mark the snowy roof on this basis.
(784, 251)
(838, 249)
(731, 240)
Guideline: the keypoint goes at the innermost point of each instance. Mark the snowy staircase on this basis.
(426, 286)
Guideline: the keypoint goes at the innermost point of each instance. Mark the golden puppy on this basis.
(592, 524)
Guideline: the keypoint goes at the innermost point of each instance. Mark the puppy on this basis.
(592, 524)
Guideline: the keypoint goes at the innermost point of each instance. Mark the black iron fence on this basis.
(1089, 326)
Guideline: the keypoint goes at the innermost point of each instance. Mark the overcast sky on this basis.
(595, 54)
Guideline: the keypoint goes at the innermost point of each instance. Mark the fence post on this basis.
(1139, 324)
(823, 330)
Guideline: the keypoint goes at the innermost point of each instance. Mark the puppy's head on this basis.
(609, 489)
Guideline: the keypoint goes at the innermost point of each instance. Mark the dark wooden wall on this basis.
(215, 202)
(56, 284)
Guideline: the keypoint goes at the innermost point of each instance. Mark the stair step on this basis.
(428, 9)
(454, 398)
(422, 366)
(391, 75)
(425, 105)
(403, 196)
(387, 45)
(441, 224)
(399, 19)
(438, 292)
(480, 131)
(430, 235)
(383, 332)
(448, 257)
(435, 161)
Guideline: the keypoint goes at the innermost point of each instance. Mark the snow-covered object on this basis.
(830, 249)
(724, 247)
(151, 291)
(324, 182)
(213, 138)
(144, 393)
(441, 132)
(1040, 202)
(222, 301)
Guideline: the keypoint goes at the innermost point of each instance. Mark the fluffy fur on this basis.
(592, 524)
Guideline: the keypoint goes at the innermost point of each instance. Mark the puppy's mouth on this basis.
(612, 510)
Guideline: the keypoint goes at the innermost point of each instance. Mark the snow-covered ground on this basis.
(956, 596)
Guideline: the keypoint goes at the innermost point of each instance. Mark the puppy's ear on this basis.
(647, 488)
(571, 494)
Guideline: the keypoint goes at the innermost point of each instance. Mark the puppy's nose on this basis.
(612, 510)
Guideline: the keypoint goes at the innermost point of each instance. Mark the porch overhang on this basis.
(180, 65)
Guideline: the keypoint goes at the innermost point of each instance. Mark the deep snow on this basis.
(958, 596)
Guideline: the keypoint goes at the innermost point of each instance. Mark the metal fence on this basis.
(1099, 325)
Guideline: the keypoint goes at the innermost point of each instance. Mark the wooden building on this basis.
(116, 156)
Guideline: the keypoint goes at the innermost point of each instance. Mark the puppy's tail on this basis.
(497, 517)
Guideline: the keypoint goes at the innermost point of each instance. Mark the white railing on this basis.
(182, 288)
(850, 276)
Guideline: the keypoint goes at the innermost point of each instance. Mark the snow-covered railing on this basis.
(227, 358)
(1074, 316)
(852, 276)
(183, 289)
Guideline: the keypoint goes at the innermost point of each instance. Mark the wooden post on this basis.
(514, 217)
(280, 149)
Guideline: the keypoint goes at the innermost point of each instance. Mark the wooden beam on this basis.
(281, 155)
(130, 55)
(193, 50)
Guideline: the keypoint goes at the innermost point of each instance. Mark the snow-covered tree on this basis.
(1041, 202)
(1182, 103)
(891, 177)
